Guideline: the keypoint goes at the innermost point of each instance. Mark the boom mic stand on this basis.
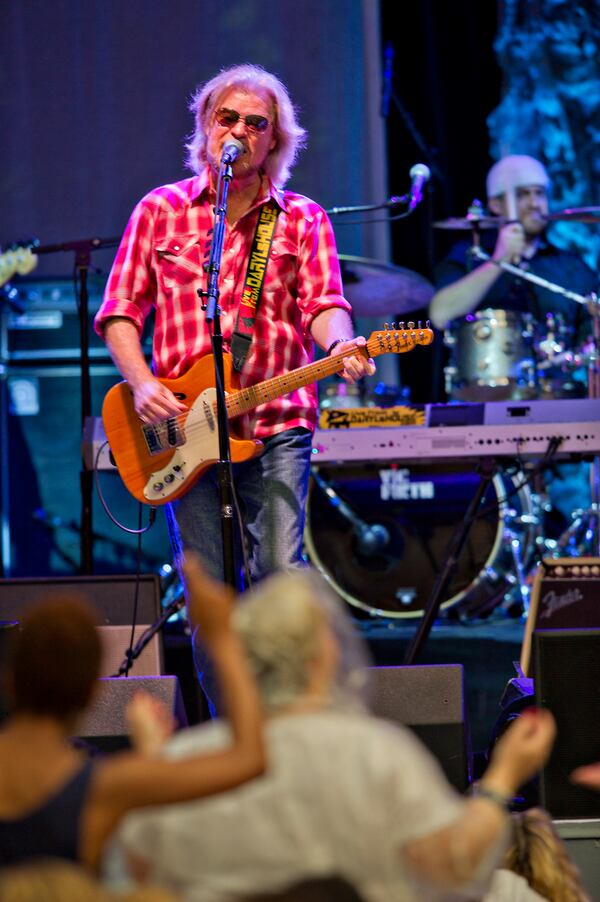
(210, 304)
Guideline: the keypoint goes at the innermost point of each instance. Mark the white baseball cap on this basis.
(515, 171)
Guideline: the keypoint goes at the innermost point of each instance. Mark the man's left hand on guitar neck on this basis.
(334, 324)
(355, 367)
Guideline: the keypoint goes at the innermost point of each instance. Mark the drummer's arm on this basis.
(460, 297)
(465, 294)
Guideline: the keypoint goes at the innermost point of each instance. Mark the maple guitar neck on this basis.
(397, 341)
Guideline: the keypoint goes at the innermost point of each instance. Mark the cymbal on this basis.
(383, 289)
(469, 222)
(576, 214)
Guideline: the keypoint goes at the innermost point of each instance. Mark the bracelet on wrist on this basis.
(484, 792)
(335, 343)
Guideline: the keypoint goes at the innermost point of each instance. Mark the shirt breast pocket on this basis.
(282, 267)
(180, 261)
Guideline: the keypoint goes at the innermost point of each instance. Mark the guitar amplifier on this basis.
(42, 322)
(565, 595)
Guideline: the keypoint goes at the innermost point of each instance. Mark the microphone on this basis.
(372, 539)
(232, 150)
(420, 175)
(386, 86)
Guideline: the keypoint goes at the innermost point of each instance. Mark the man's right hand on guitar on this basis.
(155, 402)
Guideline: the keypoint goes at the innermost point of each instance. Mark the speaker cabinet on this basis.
(565, 595)
(40, 457)
(104, 724)
(582, 839)
(566, 675)
(430, 700)
(113, 598)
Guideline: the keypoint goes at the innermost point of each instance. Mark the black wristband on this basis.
(335, 343)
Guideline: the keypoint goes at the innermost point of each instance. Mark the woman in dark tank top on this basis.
(56, 802)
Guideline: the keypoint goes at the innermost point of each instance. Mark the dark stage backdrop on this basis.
(94, 107)
(446, 83)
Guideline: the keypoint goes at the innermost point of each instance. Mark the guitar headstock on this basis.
(400, 339)
(19, 258)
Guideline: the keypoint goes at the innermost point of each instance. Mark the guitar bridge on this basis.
(163, 436)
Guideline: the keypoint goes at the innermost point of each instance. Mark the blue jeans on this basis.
(271, 490)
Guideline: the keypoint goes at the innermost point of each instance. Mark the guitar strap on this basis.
(253, 285)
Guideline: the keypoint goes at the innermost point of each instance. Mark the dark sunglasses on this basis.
(228, 118)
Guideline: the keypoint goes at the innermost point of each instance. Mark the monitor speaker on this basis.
(430, 700)
(104, 724)
(565, 595)
(113, 597)
(566, 676)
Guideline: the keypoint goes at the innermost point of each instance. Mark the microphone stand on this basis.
(366, 208)
(133, 653)
(210, 304)
(83, 251)
(480, 254)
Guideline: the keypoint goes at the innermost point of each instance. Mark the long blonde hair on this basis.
(539, 855)
(289, 135)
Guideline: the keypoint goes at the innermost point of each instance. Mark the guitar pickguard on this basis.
(201, 446)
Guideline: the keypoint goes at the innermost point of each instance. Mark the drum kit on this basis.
(494, 354)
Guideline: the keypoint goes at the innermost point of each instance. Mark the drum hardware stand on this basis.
(487, 470)
(588, 521)
(480, 254)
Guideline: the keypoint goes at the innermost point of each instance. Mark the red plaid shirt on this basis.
(159, 264)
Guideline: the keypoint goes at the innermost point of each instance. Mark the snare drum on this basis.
(492, 357)
(410, 513)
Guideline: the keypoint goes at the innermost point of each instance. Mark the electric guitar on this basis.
(159, 462)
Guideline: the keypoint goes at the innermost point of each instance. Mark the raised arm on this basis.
(132, 780)
(460, 297)
(468, 849)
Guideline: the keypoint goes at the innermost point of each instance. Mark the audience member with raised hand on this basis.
(344, 793)
(56, 803)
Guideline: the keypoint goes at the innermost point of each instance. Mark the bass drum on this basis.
(379, 534)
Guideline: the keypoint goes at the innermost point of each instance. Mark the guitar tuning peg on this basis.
(427, 324)
(401, 325)
(411, 325)
(386, 326)
(419, 325)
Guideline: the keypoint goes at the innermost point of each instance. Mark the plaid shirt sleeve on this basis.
(130, 288)
(319, 274)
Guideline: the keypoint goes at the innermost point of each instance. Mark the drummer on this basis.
(517, 190)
